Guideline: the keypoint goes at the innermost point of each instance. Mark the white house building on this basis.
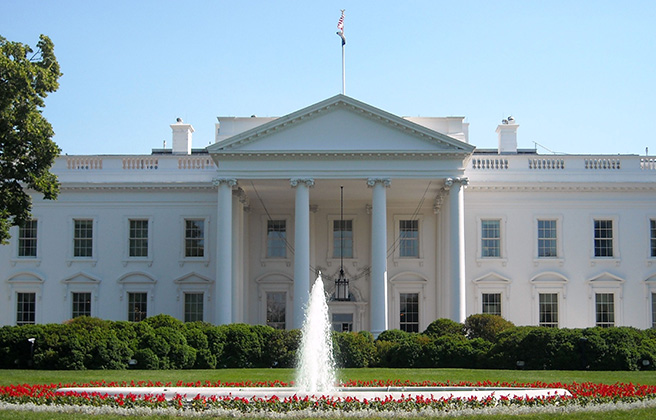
(431, 227)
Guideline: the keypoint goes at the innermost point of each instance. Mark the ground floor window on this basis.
(548, 309)
(81, 304)
(605, 309)
(25, 308)
(491, 303)
(193, 309)
(409, 316)
(343, 322)
(137, 306)
(276, 309)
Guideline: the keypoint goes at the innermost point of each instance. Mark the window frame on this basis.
(416, 322)
(189, 293)
(549, 282)
(606, 283)
(17, 311)
(148, 238)
(550, 324)
(500, 302)
(73, 303)
(93, 259)
(419, 218)
(330, 251)
(284, 310)
(131, 294)
(651, 233)
(614, 219)
(35, 238)
(502, 235)
(605, 324)
(289, 236)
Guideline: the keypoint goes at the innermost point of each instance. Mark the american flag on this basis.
(340, 22)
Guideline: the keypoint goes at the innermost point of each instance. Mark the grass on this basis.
(256, 375)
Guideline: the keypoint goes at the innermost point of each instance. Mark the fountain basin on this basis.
(360, 393)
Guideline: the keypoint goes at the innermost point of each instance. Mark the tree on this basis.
(26, 148)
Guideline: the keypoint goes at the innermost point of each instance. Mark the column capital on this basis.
(309, 182)
(219, 180)
(448, 182)
(373, 181)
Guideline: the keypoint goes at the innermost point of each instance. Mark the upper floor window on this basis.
(83, 238)
(276, 245)
(409, 238)
(409, 315)
(491, 303)
(27, 239)
(343, 238)
(547, 239)
(652, 235)
(491, 238)
(25, 308)
(194, 238)
(138, 238)
(603, 238)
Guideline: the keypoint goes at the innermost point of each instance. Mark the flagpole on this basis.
(343, 70)
(340, 32)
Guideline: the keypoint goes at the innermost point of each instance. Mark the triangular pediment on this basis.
(340, 124)
(193, 278)
(81, 278)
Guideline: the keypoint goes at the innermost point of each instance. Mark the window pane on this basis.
(137, 306)
(409, 238)
(277, 239)
(81, 304)
(25, 308)
(138, 238)
(194, 238)
(27, 239)
(193, 310)
(409, 316)
(549, 309)
(491, 303)
(343, 230)
(343, 322)
(603, 238)
(83, 238)
(276, 309)
(547, 241)
(490, 238)
(605, 309)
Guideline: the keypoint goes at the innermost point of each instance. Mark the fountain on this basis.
(316, 375)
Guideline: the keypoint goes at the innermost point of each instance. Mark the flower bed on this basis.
(582, 395)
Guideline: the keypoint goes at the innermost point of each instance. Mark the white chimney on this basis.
(507, 132)
(181, 137)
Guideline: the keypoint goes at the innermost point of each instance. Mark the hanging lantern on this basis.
(341, 286)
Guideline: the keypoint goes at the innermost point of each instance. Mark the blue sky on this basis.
(579, 77)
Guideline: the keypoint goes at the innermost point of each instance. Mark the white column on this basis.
(301, 248)
(237, 253)
(456, 186)
(378, 301)
(224, 250)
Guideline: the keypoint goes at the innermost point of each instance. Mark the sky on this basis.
(579, 77)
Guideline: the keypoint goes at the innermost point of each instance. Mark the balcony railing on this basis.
(139, 163)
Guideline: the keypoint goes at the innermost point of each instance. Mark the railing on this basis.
(140, 163)
(84, 163)
(195, 162)
(648, 164)
(546, 163)
(602, 163)
(489, 163)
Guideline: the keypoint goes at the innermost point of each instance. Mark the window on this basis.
(276, 239)
(193, 310)
(547, 239)
(138, 238)
(409, 238)
(137, 306)
(605, 309)
(548, 310)
(603, 238)
(490, 238)
(409, 316)
(276, 309)
(343, 322)
(652, 229)
(83, 238)
(27, 239)
(25, 308)
(194, 238)
(343, 238)
(81, 304)
(491, 303)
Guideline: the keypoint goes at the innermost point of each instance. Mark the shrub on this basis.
(146, 359)
(356, 350)
(444, 326)
(485, 326)
(455, 351)
(242, 346)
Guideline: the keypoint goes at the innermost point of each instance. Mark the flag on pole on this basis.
(340, 26)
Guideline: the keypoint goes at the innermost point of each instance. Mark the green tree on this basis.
(26, 148)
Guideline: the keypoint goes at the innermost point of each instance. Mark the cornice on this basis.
(561, 188)
(328, 155)
(129, 187)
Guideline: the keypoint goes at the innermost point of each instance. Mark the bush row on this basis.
(163, 342)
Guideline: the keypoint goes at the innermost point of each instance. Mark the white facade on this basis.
(433, 228)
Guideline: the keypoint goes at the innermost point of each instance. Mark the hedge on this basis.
(163, 342)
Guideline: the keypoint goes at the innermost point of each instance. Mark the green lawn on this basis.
(237, 375)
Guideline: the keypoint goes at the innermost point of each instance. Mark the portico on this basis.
(404, 186)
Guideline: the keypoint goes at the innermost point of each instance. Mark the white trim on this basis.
(492, 283)
(407, 282)
(616, 238)
(397, 258)
(606, 283)
(126, 250)
(560, 257)
(275, 282)
(503, 254)
(331, 218)
(205, 259)
(94, 240)
(549, 282)
(289, 238)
